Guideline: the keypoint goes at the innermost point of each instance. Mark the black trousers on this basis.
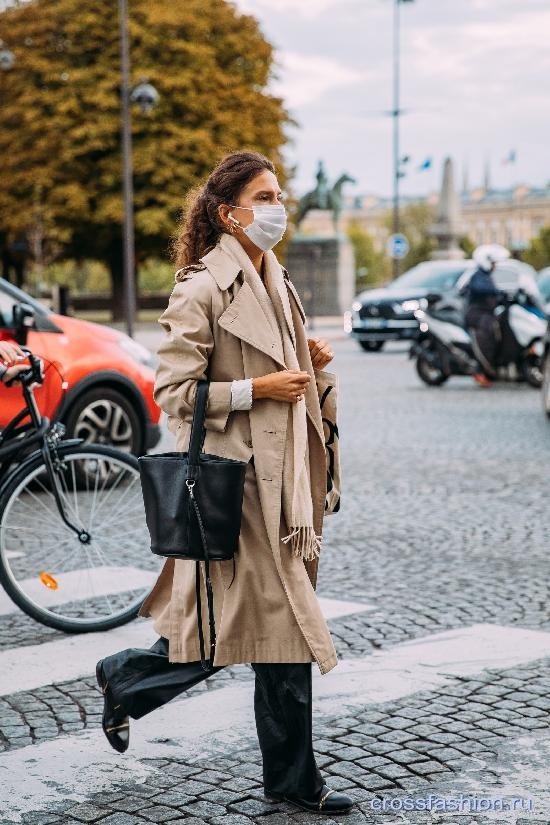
(143, 679)
(485, 333)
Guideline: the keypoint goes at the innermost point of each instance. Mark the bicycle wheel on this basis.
(92, 581)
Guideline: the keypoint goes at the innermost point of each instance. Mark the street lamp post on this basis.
(127, 181)
(146, 96)
(396, 113)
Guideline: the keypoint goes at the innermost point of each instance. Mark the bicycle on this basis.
(67, 509)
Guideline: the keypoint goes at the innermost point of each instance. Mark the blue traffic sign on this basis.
(397, 246)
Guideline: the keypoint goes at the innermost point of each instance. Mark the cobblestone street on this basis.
(434, 579)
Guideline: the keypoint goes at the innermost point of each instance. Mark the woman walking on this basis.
(235, 312)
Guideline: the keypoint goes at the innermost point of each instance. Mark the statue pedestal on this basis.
(322, 269)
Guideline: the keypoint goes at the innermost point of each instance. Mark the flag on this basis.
(510, 157)
(427, 164)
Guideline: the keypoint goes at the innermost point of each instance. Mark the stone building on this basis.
(511, 217)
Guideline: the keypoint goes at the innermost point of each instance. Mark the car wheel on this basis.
(105, 416)
(371, 346)
(546, 385)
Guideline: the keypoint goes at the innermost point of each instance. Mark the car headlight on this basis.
(137, 352)
(348, 325)
(413, 305)
(356, 306)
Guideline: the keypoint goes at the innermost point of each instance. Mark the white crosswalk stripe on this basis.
(75, 656)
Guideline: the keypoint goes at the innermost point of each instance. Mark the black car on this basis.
(387, 313)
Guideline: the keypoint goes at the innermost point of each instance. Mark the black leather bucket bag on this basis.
(193, 505)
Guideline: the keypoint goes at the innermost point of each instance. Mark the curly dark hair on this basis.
(201, 226)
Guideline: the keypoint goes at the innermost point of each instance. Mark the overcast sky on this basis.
(475, 77)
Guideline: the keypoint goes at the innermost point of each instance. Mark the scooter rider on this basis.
(482, 297)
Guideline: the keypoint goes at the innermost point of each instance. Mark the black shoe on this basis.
(329, 801)
(116, 725)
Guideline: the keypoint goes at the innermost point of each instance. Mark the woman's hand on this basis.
(10, 354)
(320, 352)
(284, 385)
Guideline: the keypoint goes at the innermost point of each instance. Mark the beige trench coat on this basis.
(268, 611)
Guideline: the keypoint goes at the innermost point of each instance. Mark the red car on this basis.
(99, 382)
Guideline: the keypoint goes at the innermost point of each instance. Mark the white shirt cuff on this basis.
(241, 394)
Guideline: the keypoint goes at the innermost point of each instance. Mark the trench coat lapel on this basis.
(245, 318)
(241, 316)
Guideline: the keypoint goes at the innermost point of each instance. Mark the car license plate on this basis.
(374, 323)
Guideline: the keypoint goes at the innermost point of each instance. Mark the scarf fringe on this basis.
(304, 542)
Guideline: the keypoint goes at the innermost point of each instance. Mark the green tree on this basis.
(371, 266)
(60, 120)
(538, 252)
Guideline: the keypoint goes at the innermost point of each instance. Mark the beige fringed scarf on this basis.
(296, 500)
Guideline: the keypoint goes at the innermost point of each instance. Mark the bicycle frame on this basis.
(55, 484)
(38, 431)
(15, 438)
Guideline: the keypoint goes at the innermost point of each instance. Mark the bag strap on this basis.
(209, 592)
(199, 609)
(196, 439)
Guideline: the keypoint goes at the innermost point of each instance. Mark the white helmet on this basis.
(488, 254)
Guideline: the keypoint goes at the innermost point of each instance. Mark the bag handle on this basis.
(198, 431)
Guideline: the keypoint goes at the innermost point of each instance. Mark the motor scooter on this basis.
(443, 348)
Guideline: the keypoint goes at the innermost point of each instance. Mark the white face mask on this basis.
(268, 226)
